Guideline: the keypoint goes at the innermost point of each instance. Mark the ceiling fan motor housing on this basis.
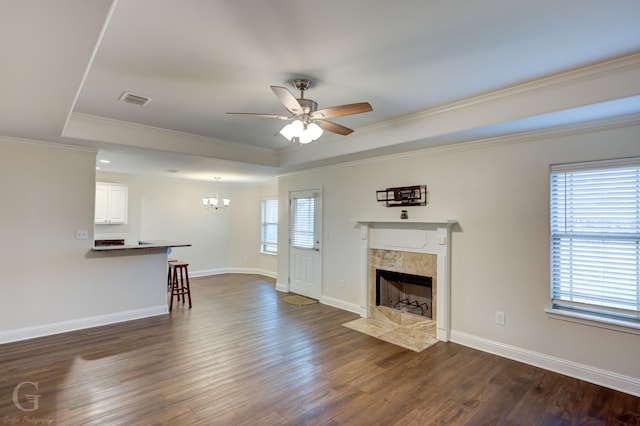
(308, 106)
(301, 84)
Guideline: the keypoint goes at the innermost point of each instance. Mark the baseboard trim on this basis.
(609, 379)
(284, 288)
(207, 272)
(219, 271)
(341, 304)
(79, 324)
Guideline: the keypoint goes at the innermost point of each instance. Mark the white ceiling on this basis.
(66, 63)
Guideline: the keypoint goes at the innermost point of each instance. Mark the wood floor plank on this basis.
(242, 355)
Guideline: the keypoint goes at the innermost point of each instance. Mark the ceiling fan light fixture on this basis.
(303, 133)
(305, 114)
(314, 131)
(292, 130)
(305, 138)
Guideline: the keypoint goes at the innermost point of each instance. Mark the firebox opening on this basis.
(404, 292)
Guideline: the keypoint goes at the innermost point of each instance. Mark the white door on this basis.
(305, 255)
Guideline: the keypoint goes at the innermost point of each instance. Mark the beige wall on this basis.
(52, 282)
(498, 191)
(245, 230)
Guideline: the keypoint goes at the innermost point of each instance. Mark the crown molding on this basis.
(101, 129)
(44, 144)
(466, 145)
(591, 72)
(607, 68)
(596, 83)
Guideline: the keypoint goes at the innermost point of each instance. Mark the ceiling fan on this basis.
(308, 121)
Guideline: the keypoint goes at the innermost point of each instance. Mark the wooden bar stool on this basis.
(169, 270)
(179, 282)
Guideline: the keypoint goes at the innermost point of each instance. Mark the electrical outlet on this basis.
(82, 234)
(499, 318)
(341, 283)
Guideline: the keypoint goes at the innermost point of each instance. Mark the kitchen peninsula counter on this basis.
(148, 245)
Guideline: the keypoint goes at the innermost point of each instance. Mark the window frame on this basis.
(264, 243)
(590, 313)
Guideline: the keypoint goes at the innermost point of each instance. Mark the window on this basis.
(303, 223)
(595, 240)
(269, 242)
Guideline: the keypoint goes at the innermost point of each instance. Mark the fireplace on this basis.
(407, 293)
(413, 248)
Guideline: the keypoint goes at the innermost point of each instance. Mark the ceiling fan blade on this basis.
(288, 100)
(257, 114)
(333, 127)
(342, 110)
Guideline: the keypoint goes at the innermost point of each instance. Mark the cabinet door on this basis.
(102, 204)
(111, 203)
(118, 204)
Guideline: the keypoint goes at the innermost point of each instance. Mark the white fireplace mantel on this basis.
(433, 237)
(408, 222)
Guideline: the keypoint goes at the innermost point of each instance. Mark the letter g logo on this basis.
(31, 398)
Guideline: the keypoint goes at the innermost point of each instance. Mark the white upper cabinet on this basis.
(111, 203)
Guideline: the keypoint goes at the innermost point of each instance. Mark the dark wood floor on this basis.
(243, 356)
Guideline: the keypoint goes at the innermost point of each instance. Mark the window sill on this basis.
(594, 321)
(267, 253)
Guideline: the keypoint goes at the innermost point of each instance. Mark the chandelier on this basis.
(213, 203)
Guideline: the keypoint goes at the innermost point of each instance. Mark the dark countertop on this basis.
(142, 245)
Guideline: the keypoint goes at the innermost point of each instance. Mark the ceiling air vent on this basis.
(134, 99)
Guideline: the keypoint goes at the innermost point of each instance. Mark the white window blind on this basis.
(303, 223)
(595, 239)
(269, 242)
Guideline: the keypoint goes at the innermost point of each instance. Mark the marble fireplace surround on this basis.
(421, 264)
(415, 247)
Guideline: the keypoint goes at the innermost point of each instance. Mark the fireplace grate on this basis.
(404, 292)
(413, 305)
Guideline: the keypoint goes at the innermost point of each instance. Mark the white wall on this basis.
(50, 281)
(498, 191)
(224, 240)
